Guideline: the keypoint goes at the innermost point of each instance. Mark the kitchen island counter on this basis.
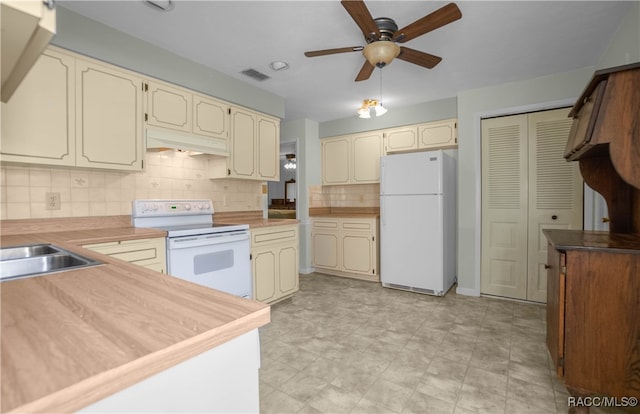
(72, 338)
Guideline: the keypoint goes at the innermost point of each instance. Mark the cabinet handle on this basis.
(546, 266)
(605, 219)
(50, 4)
(554, 217)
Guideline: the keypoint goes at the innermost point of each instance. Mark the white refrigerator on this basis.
(418, 221)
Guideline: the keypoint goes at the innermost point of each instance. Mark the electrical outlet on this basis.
(52, 201)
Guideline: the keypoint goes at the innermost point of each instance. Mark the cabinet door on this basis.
(437, 134)
(210, 117)
(288, 269)
(325, 251)
(556, 275)
(38, 122)
(400, 139)
(357, 253)
(335, 161)
(243, 149)
(265, 274)
(108, 118)
(268, 149)
(366, 153)
(169, 107)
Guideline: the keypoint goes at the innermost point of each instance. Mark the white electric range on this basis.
(199, 250)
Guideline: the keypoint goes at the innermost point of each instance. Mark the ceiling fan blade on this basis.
(365, 72)
(324, 52)
(432, 21)
(361, 15)
(419, 58)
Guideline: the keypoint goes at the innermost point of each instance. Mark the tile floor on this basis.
(348, 346)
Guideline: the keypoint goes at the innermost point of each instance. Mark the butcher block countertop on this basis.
(345, 212)
(72, 338)
(253, 218)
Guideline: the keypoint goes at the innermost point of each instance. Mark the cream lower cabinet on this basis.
(74, 111)
(346, 247)
(274, 262)
(352, 159)
(149, 253)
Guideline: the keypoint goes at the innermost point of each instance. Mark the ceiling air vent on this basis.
(252, 73)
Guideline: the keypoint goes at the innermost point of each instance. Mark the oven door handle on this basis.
(205, 240)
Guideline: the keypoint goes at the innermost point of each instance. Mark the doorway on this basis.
(282, 195)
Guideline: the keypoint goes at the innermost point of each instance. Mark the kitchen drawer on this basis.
(364, 225)
(325, 224)
(149, 253)
(278, 234)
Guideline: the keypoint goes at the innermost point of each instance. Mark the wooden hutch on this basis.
(593, 285)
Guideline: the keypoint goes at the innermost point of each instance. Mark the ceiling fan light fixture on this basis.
(381, 53)
(365, 110)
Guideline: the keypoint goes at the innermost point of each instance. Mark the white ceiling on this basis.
(493, 43)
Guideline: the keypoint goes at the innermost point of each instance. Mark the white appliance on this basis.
(418, 221)
(199, 250)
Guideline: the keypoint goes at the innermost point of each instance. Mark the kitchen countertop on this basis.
(72, 338)
(593, 240)
(345, 212)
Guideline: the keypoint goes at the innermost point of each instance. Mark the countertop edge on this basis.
(102, 385)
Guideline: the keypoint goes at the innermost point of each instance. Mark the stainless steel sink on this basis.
(39, 259)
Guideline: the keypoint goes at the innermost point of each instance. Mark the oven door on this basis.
(220, 261)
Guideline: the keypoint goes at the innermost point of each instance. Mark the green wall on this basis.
(414, 114)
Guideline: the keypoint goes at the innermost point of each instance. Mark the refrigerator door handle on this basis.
(382, 215)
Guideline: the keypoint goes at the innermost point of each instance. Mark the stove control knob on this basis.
(187, 207)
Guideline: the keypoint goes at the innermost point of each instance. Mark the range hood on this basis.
(162, 139)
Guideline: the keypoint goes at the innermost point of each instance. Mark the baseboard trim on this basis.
(467, 292)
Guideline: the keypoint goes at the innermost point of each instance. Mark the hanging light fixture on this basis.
(365, 110)
(291, 162)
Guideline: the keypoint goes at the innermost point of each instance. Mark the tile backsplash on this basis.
(169, 174)
(359, 195)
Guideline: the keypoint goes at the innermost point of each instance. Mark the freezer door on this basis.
(411, 241)
(412, 173)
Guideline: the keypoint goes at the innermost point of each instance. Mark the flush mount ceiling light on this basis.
(365, 110)
(279, 65)
(160, 5)
(291, 162)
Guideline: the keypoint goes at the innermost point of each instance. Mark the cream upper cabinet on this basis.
(108, 117)
(365, 158)
(268, 148)
(210, 117)
(38, 122)
(243, 144)
(254, 148)
(168, 106)
(27, 28)
(401, 139)
(351, 159)
(346, 247)
(74, 111)
(438, 134)
(274, 255)
(335, 160)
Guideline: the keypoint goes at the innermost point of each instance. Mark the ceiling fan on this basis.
(382, 37)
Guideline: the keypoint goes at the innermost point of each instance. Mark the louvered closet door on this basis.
(527, 186)
(504, 206)
(555, 192)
